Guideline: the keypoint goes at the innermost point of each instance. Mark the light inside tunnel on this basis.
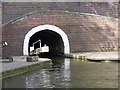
(50, 38)
(58, 33)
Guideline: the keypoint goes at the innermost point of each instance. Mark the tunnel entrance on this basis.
(49, 38)
(50, 35)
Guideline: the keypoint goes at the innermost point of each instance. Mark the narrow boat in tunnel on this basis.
(50, 39)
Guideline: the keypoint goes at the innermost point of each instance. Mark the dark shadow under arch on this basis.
(51, 39)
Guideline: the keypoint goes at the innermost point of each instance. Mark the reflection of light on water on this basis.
(35, 81)
(50, 78)
(67, 68)
(68, 74)
(66, 71)
(45, 79)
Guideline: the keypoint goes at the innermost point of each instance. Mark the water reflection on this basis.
(68, 73)
(49, 78)
(40, 79)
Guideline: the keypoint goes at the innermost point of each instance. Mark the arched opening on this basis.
(49, 38)
(50, 35)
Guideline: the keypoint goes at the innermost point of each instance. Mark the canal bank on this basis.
(68, 73)
(96, 56)
(20, 65)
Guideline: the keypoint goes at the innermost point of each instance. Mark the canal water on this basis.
(68, 73)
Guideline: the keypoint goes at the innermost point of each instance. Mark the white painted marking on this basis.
(46, 27)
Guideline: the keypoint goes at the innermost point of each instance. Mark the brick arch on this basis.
(44, 27)
(86, 32)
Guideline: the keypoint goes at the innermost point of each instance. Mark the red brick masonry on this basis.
(85, 32)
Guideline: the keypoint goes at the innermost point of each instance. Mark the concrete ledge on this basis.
(96, 56)
(32, 58)
(19, 58)
(19, 67)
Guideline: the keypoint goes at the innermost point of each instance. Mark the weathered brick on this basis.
(85, 32)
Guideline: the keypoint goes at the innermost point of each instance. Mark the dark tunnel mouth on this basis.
(51, 39)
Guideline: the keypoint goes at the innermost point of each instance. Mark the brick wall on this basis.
(85, 32)
(13, 10)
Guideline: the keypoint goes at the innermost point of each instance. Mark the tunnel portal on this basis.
(49, 38)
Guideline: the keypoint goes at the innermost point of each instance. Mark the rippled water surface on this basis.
(68, 73)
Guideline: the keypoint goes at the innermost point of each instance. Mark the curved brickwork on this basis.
(12, 10)
(85, 32)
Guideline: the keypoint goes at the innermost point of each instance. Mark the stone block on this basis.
(32, 58)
